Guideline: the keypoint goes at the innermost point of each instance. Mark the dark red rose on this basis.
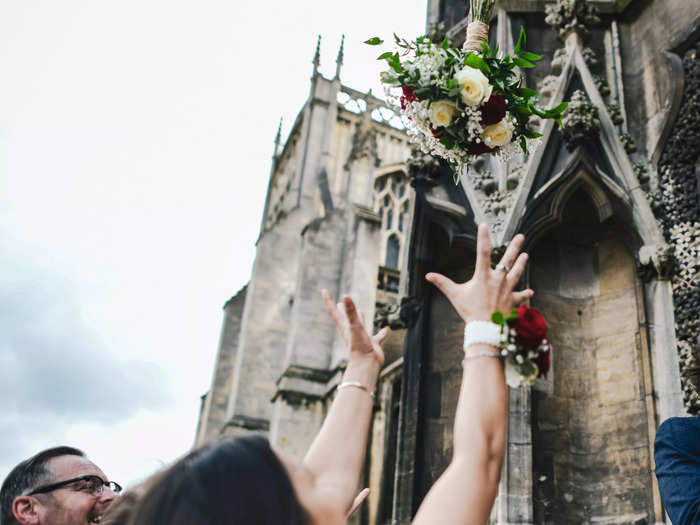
(403, 102)
(530, 327)
(493, 111)
(409, 93)
(479, 148)
(437, 132)
(542, 363)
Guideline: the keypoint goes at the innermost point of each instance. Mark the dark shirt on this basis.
(677, 457)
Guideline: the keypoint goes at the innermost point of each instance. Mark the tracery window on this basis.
(391, 203)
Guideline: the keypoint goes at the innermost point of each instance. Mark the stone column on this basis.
(514, 503)
(299, 401)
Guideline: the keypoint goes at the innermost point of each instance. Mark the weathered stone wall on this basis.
(214, 419)
(677, 206)
(647, 30)
(265, 324)
(591, 444)
(442, 379)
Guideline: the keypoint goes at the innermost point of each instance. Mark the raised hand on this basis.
(351, 326)
(489, 289)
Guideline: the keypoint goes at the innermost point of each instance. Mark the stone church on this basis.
(610, 207)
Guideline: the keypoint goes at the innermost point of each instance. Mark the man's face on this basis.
(69, 505)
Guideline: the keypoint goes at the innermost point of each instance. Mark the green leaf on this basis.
(521, 62)
(523, 145)
(530, 56)
(388, 78)
(385, 56)
(524, 110)
(527, 92)
(445, 44)
(513, 315)
(422, 93)
(475, 61)
(560, 108)
(374, 41)
(498, 318)
(521, 41)
(395, 63)
(532, 134)
(447, 142)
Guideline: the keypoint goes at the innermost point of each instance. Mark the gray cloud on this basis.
(55, 371)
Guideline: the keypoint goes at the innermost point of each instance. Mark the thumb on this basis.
(381, 336)
(444, 284)
(358, 501)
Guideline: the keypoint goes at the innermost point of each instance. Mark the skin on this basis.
(466, 491)
(66, 505)
(327, 479)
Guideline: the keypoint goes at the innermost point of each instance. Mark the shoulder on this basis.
(675, 425)
(679, 433)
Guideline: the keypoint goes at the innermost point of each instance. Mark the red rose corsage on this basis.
(523, 345)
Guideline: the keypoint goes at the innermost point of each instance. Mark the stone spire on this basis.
(339, 60)
(278, 138)
(317, 55)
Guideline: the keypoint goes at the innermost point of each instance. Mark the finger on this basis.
(352, 313)
(517, 271)
(341, 312)
(483, 250)
(512, 251)
(381, 336)
(332, 309)
(444, 284)
(358, 501)
(362, 318)
(520, 297)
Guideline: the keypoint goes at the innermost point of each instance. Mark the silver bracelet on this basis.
(476, 355)
(356, 384)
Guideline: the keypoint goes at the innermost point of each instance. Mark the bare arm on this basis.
(337, 454)
(465, 492)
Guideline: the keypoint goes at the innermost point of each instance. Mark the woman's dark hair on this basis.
(234, 481)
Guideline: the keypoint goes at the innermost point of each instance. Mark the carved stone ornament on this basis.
(566, 16)
(581, 121)
(410, 310)
(388, 315)
(656, 262)
(364, 145)
(423, 168)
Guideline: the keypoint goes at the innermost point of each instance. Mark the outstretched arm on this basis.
(465, 492)
(337, 454)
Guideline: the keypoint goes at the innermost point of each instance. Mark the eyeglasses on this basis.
(93, 485)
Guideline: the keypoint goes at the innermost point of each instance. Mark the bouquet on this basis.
(523, 345)
(461, 103)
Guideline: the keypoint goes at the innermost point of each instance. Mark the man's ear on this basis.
(25, 510)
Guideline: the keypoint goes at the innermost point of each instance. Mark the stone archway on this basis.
(591, 434)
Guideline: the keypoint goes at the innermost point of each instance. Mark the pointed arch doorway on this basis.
(592, 421)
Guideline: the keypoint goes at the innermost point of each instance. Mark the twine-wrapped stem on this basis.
(477, 34)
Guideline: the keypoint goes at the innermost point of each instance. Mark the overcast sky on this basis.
(135, 143)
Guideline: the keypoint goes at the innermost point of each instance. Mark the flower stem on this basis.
(482, 10)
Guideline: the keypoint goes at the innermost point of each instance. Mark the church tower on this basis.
(610, 208)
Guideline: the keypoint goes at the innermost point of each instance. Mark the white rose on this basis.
(441, 113)
(498, 135)
(475, 87)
